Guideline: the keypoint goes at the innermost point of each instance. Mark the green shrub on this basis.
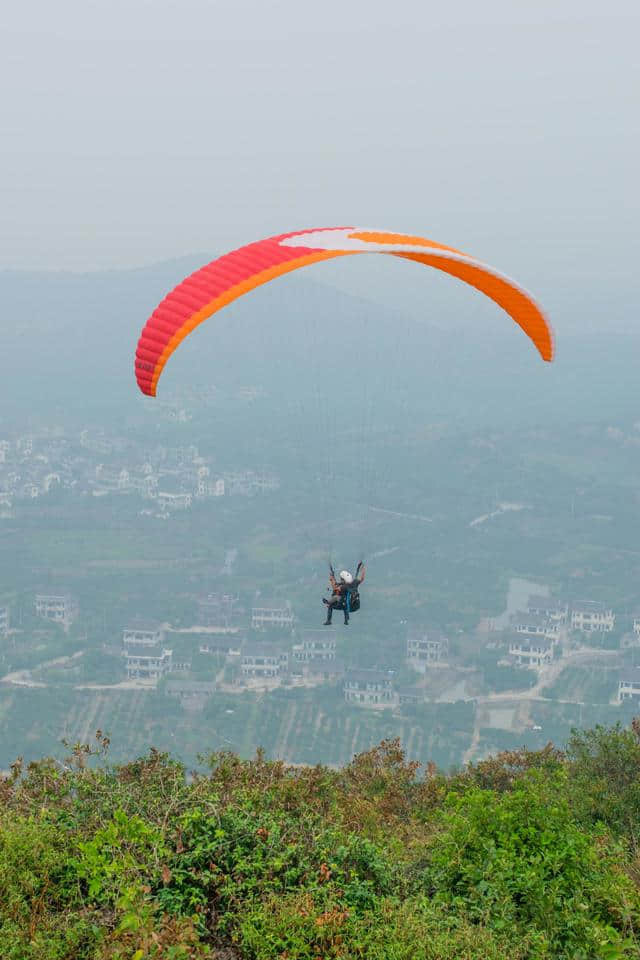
(519, 861)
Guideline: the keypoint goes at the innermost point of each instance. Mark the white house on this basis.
(536, 625)
(315, 645)
(369, 688)
(271, 613)
(629, 685)
(174, 501)
(589, 616)
(263, 660)
(425, 647)
(147, 662)
(59, 608)
(143, 633)
(531, 651)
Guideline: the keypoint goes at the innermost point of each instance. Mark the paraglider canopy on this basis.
(234, 274)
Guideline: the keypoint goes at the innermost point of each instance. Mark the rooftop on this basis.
(588, 606)
(522, 618)
(630, 675)
(270, 603)
(153, 653)
(529, 643)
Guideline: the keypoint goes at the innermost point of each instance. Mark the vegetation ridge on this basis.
(529, 854)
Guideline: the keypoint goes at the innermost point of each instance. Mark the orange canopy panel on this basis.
(230, 276)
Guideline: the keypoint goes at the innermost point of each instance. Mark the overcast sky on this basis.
(136, 130)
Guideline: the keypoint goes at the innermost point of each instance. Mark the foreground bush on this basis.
(528, 855)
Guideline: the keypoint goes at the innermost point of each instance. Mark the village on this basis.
(261, 647)
(165, 479)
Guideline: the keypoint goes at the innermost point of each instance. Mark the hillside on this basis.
(526, 855)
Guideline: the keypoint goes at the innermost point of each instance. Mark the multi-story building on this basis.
(592, 617)
(174, 501)
(531, 651)
(269, 614)
(315, 645)
(636, 624)
(209, 488)
(629, 684)
(536, 625)
(369, 687)
(147, 662)
(4, 621)
(263, 660)
(59, 608)
(425, 647)
(143, 633)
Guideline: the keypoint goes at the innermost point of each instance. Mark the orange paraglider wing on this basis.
(234, 274)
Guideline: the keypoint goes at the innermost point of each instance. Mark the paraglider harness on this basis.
(349, 597)
(351, 600)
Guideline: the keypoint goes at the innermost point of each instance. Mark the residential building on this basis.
(225, 645)
(592, 617)
(4, 621)
(549, 608)
(636, 624)
(247, 483)
(315, 645)
(147, 662)
(143, 633)
(369, 687)
(269, 614)
(263, 660)
(59, 608)
(531, 651)
(629, 684)
(174, 501)
(536, 625)
(425, 647)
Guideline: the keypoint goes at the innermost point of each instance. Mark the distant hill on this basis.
(68, 342)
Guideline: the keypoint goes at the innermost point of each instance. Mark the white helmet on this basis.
(345, 576)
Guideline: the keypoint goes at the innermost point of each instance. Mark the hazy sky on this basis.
(139, 130)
